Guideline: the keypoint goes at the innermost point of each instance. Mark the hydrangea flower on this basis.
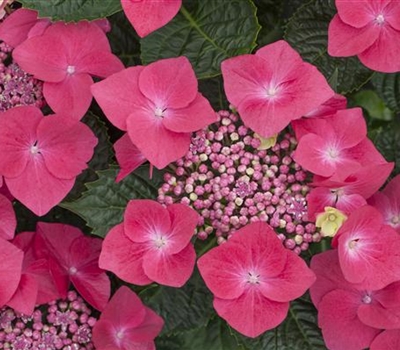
(388, 203)
(126, 323)
(40, 157)
(273, 87)
(253, 278)
(159, 105)
(73, 258)
(65, 57)
(146, 16)
(369, 29)
(152, 244)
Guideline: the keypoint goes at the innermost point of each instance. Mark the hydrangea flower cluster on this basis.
(62, 324)
(233, 177)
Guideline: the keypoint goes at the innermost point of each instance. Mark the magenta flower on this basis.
(10, 270)
(126, 324)
(7, 218)
(253, 278)
(350, 310)
(388, 340)
(369, 250)
(40, 157)
(369, 29)
(388, 203)
(273, 87)
(152, 244)
(36, 285)
(159, 105)
(73, 257)
(65, 57)
(146, 16)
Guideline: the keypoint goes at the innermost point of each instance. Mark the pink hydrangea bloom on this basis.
(369, 29)
(36, 285)
(65, 57)
(152, 244)
(159, 105)
(73, 257)
(10, 270)
(253, 278)
(273, 87)
(369, 250)
(7, 218)
(40, 157)
(388, 340)
(146, 16)
(388, 203)
(350, 310)
(126, 324)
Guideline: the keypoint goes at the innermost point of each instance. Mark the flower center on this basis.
(380, 19)
(34, 148)
(73, 270)
(395, 220)
(272, 91)
(353, 244)
(332, 153)
(160, 242)
(159, 112)
(366, 299)
(71, 69)
(120, 334)
(253, 278)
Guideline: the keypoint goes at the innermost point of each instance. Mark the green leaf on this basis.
(207, 32)
(299, 331)
(73, 10)
(387, 141)
(182, 309)
(213, 90)
(269, 13)
(103, 204)
(123, 40)
(374, 106)
(307, 32)
(388, 87)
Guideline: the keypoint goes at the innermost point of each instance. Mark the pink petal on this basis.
(383, 54)
(17, 134)
(159, 145)
(169, 83)
(337, 314)
(7, 218)
(355, 13)
(103, 24)
(251, 314)
(15, 28)
(148, 16)
(123, 257)
(392, 14)
(345, 40)
(330, 107)
(119, 95)
(366, 154)
(388, 340)
(144, 218)
(99, 63)
(196, 116)
(318, 199)
(24, 298)
(128, 156)
(37, 188)
(374, 315)
(70, 97)
(45, 59)
(349, 203)
(66, 145)
(172, 270)
(291, 283)
(39, 28)
(392, 191)
(10, 270)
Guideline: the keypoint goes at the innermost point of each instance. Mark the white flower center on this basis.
(366, 299)
(71, 69)
(332, 153)
(73, 270)
(353, 243)
(120, 334)
(380, 19)
(160, 242)
(34, 149)
(253, 278)
(159, 112)
(395, 220)
(272, 92)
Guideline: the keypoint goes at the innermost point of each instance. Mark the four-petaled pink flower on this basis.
(349, 314)
(159, 105)
(126, 324)
(273, 87)
(388, 203)
(253, 278)
(369, 250)
(152, 244)
(369, 29)
(40, 157)
(73, 258)
(146, 16)
(65, 57)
